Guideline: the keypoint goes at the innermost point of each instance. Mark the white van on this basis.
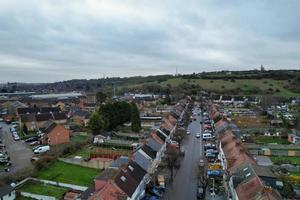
(207, 136)
(42, 149)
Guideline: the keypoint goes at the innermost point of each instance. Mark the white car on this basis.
(41, 149)
(188, 132)
(16, 137)
(198, 135)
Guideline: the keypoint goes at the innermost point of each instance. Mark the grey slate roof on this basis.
(149, 151)
(136, 171)
(154, 145)
(123, 160)
(5, 189)
(142, 161)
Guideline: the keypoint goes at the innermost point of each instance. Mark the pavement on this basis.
(184, 185)
(19, 152)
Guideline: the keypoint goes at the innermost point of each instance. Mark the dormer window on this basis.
(123, 178)
(131, 168)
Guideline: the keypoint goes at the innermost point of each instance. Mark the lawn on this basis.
(68, 173)
(79, 138)
(84, 153)
(43, 189)
(270, 139)
(292, 160)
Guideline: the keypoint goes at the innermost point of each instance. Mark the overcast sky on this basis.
(46, 41)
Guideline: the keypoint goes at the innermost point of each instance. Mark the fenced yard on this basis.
(68, 173)
(42, 189)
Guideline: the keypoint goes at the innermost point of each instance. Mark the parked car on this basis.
(34, 158)
(173, 142)
(14, 126)
(31, 139)
(36, 147)
(209, 146)
(41, 149)
(201, 163)
(182, 151)
(214, 151)
(210, 155)
(156, 192)
(34, 143)
(207, 136)
(4, 158)
(200, 192)
(16, 137)
(188, 132)
(177, 164)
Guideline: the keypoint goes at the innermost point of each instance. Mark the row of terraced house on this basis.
(244, 178)
(129, 180)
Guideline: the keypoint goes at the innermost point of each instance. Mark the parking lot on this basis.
(18, 151)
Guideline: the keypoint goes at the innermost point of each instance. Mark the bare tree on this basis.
(171, 158)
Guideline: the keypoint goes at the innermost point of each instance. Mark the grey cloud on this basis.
(58, 40)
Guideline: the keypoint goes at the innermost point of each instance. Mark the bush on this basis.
(211, 81)
(44, 162)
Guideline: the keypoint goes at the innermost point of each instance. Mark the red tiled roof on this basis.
(248, 190)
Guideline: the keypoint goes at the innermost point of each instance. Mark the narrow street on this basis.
(184, 185)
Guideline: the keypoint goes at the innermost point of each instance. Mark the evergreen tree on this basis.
(96, 122)
(135, 118)
(25, 129)
(101, 97)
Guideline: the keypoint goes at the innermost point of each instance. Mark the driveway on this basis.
(19, 152)
(184, 185)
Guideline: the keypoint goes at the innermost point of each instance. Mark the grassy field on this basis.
(243, 84)
(68, 173)
(43, 189)
(246, 86)
(270, 139)
(293, 160)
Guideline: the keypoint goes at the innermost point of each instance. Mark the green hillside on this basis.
(231, 86)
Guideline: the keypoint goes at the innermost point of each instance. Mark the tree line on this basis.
(114, 114)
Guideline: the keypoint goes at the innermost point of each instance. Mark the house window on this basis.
(130, 167)
(123, 178)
